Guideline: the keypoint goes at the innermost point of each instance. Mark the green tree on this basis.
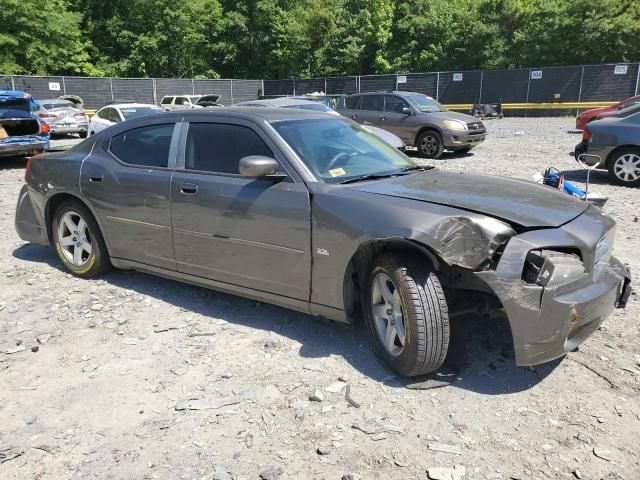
(40, 38)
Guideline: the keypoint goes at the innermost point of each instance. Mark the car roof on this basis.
(14, 94)
(402, 93)
(254, 114)
(277, 102)
(130, 105)
(54, 100)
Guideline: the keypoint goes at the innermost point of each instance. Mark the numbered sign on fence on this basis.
(620, 70)
(457, 77)
(536, 74)
(54, 86)
(402, 79)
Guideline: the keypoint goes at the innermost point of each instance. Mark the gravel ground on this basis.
(102, 369)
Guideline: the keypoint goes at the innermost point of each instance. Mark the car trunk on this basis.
(18, 127)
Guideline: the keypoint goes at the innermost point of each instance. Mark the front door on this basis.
(395, 121)
(254, 233)
(127, 180)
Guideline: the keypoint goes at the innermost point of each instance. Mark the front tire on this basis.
(78, 240)
(624, 167)
(83, 134)
(406, 314)
(430, 144)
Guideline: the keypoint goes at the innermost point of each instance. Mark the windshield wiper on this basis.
(373, 176)
(422, 168)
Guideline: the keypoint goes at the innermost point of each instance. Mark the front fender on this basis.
(343, 220)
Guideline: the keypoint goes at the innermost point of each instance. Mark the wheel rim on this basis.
(387, 314)
(429, 145)
(74, 239)
(627, 167)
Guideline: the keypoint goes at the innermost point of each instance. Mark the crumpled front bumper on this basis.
(548, 322)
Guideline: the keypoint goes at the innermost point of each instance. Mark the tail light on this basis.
(586, 134)
(80, 115)
(27, 170)
(45, 128)
(46, 116)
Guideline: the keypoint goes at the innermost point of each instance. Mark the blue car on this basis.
(21, 132)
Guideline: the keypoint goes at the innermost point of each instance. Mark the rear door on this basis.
(253, 233)
(127, 180)
(370, 110)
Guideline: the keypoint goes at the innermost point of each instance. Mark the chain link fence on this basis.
(96, 92)
(519, 90)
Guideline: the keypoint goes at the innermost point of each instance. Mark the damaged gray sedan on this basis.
(311, 212)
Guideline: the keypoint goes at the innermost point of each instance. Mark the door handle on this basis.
(354, 116)
(95, 178)
(188, 188)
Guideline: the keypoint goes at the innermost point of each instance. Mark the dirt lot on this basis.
(117, 357)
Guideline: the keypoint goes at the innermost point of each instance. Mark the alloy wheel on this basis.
(387, 314)
(627, 167)
(429, 145)
(74, 239)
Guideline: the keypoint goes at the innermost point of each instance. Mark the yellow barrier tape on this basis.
(537, 106)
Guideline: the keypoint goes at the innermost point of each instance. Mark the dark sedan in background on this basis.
(613, 145)
(312, 212)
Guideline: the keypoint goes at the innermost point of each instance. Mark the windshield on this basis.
(336, 151)
(315, 106)
(426, 104)
(14, 104)
(135, 112)
(53, 106)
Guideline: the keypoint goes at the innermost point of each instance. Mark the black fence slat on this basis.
(459, 87)
(245, 90)
(425, 83)
(554, 84)
(505, 86)
(135, 89)
(609, 82)
(374, 83)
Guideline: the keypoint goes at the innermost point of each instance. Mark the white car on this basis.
(183, 102)
(119, 112)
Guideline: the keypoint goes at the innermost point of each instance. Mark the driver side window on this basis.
(218, 147)
(394, 104)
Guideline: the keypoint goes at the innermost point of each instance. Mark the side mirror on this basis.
(406, 110)
(259, 166)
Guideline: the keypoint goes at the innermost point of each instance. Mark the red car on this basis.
(588, 115)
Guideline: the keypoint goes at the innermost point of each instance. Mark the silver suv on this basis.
(417, 119)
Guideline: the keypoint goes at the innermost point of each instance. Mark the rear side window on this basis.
(145, 146)
(371, 102)
(218, 147)
(352, 102)
(181, 101)
(166, 101)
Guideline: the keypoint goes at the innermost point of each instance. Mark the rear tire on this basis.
(406, 314)
(624, 167)
(83, 134)
(78, 240)
(430, 144)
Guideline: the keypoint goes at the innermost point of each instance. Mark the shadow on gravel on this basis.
(598, 177)
(9, 163)
(480, 357)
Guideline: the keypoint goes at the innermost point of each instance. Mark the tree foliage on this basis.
(305, 38)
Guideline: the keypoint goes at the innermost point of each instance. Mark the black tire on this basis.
(92, 133)
(83, 134)
(430, 144)
(424, 314)
(613, 166)
(95, 263)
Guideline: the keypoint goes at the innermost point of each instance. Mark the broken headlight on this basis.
(549, 268)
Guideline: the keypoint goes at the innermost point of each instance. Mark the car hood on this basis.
(595, 111)
(451, 115)
(516, 201)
